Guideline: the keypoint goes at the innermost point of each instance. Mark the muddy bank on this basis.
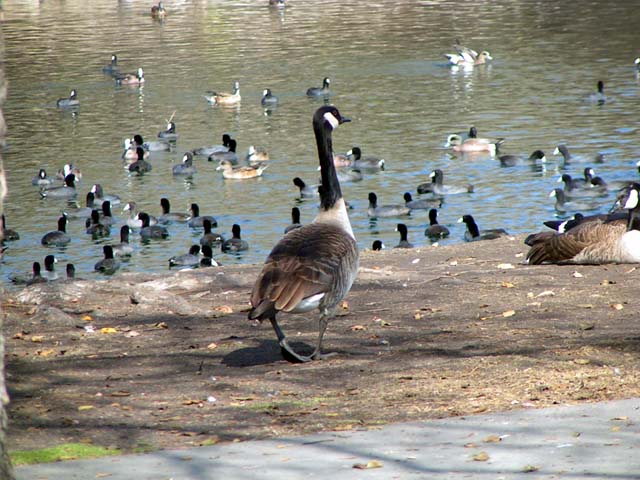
(149, 361)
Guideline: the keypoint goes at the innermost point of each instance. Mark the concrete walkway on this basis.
(593, 441)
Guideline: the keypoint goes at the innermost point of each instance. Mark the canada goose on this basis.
(404, 242)
(422, 203)
(168, 216)
(473, 233)
(112, 67)
(268, 98)
(186, 166)
(123, 249)
(240, 172)
(235, 243)
(57, 237)
(225, 98)
(8, 234)
(437, 186)
(295, 220)
(68, 190)
(365, 163)
(597, 241)
(563, 204)
(598, 96)
(467, 57)
(41, 179)
(306, 191)
(563, 226)
(148, 231)
(208, 150)
(140, 166)
(191, 259)
(473, 144)
(208, 237)
(196, 220)
(385, 210)
(158, 11)
(169, 135)
(50, 268)
(229, 155)
(133, 221)
(130, 78)
(315, 265)
(95, 228)
(320, 91)
(435, 230)
(70, 101)
(108, 265)
(513, 160)
(377, 245)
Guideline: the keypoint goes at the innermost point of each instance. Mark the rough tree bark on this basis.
(6, 471)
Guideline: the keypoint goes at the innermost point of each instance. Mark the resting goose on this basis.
(596, 241)
(315, 265)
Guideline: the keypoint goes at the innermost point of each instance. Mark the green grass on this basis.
(67, 451)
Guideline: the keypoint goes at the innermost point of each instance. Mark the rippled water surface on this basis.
(385, 60)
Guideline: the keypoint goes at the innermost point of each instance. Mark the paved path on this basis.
(593, 441)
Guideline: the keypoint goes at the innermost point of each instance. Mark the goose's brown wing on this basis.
(307, 261)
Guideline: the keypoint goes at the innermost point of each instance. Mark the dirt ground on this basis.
(155, 361)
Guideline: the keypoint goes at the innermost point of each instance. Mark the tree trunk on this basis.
(6, 471)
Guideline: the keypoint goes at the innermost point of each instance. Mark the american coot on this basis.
(57, 237)
(435, 230)
(404, 236)
(268, 98)
(191, 259)
(168, 216)
(320, 91)
(108, 265)
(315, 265)
(375, 210)
(473, 233)
(196, 220)
(148, 232)
(235, 243)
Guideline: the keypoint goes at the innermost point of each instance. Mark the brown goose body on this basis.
(596, 241)
(315, 265)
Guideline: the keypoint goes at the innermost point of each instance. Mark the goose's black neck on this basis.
(330, 191)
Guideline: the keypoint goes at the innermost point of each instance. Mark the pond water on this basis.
(385, 60)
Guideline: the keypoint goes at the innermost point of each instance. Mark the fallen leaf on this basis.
(357, 328)
(615, 429)
(507, 285)
(344, 305)
(582, 361)
(470, 445)
(82, 408)
(505, 266)
(587, 326)
(530, 468)
(546, 293)
(368, 465)
(607, 282)
(417, 316)
(19, 336)
(121, 393)
(161, 325)
(224, 309)
(87, 318)
(509, 313)
(132, 334)
(481, 457)
(45, 353)
(577, 275)
(37, 338)
(492, 439)
(103, 475)
(623, 419)
(108, 330)
(617, 306)
(212, 346)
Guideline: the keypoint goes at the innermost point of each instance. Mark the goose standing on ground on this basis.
(435, 230)
(306, 191)
(235, 243)
(364, 163)
(225, 98)
(186, 166)
(438, 187)
(168, 216)
(315, 265)
(596, 241)
(70, 101)
(58, 237)
(196, 220)
(108, 265)
(320, 91)
(295, 220)
(385, 210)
(404, 242)
(474, 234)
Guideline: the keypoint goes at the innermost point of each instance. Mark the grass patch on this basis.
(67, 451)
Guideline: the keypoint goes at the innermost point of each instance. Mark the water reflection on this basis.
(388, 74)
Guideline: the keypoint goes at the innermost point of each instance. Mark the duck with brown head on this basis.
(315, 265)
